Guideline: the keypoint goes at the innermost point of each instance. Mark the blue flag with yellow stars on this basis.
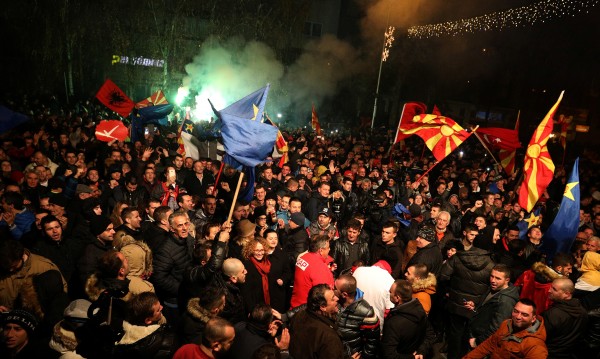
(247, 141)
(562, 232)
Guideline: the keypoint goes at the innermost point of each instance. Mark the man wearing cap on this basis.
(18, 327)
(103, 231)
(428, 251)
(311, 269)
(296, 239)
(323, 225)
(58, 204)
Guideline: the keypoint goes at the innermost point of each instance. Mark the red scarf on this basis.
(264, 267)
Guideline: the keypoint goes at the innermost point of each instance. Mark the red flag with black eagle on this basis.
(111, 96)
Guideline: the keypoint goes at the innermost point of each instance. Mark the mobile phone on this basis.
(146, 131)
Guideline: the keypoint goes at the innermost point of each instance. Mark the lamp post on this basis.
(388, 39)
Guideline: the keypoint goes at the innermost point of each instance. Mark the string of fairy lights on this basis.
(539, 12)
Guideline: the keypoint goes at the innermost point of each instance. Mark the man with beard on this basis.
(405, 327)
(217, 339)
(495, 308)
(565, 321)
(313, 333)
(323, 225)
(206, 213)
(103, 231)
(522, 336)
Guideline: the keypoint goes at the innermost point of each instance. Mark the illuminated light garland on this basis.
(539, 12)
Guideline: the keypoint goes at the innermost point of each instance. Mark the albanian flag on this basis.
(114, 98)
(441, 134)
(539, 168)
(409, 111)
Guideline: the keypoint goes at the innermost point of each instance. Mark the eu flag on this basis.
(527, 222)
(246, 139)
(562, 232)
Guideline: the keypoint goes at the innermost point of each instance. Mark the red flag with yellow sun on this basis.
(441, 134)
(538, 168)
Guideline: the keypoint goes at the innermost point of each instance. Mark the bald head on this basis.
(561, 289)
(234, 269)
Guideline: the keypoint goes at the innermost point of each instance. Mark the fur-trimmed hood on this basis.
(425, 285)
(138, 255)
(197, 311)
(543, 273)
(135, 333)
(94, 286)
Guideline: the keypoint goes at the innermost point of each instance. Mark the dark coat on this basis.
(170, 262)
(467, 274)
(358, 326)
(430, 255)
(341, 252)
(155, 236)
(492, 313)
(391, 253)
(280, 269)
(248, 338)
(565, 323)
(197, 277)
(234, 302)
(88, 263)
(193, 321)
(313, 336)
(404, 330)
(160, 344)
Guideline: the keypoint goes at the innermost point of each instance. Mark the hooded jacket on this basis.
(468, 274)
(535, 284)
(193, 321)
(565, 323)
(152, 341)
(423, 289)
(404, 330)
(505, 344)
(139, 257)
(492, 312)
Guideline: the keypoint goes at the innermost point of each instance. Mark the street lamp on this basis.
(388, 39)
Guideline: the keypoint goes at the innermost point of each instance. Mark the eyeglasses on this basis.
(259, 251)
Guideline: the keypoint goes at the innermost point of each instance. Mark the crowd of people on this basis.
(350, 249)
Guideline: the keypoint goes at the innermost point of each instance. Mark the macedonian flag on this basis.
(314, 122)
(441, 134)
(538, 168)
(157, 98)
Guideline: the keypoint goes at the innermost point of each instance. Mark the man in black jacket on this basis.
(170, 262)
(104, 231)
(405, 327)
(565, 321)
(350, 248)
(388, 248)
(467, 275)
(358, 325)
(428, 251)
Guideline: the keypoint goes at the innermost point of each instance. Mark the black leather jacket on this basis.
(358, 326)
(341, 251)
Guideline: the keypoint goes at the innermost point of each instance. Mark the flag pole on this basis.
(235, 195)
(218, 176)
(474, 131)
